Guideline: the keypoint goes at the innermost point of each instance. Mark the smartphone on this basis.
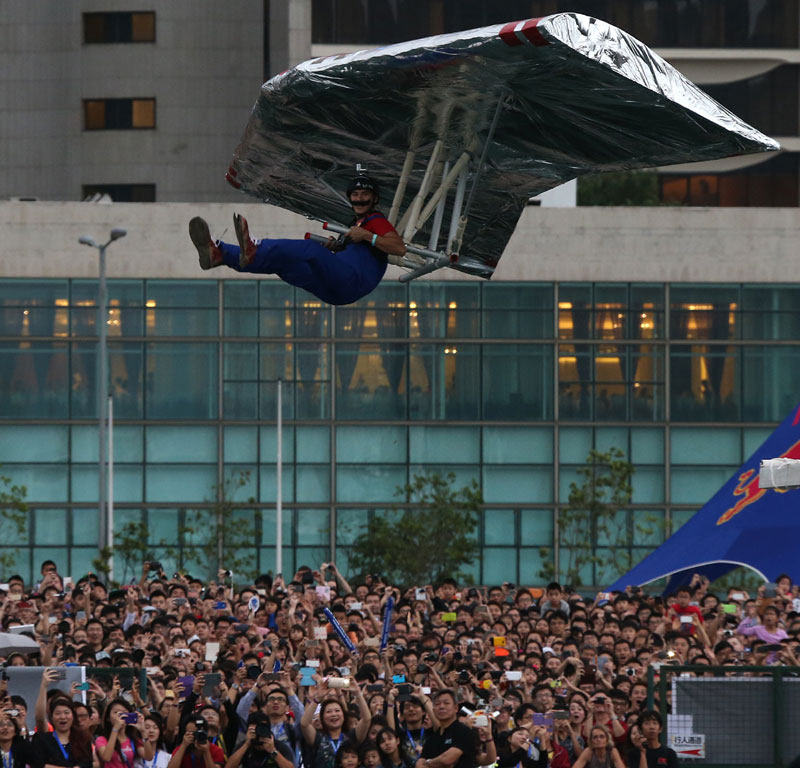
(559, 714)
(375, 688)
(770, 590)
(179, 600)
(131, 718)
(499, 642)
(211, 683)
(728, 608)
(84, 686)
(212, 651)
(425, 690)
(320, 633)
(420, 594)
(738, 596)
(220, 605)
(481, 721)
(355, 606)
(80, 615)
(513, 674)
(770, 648)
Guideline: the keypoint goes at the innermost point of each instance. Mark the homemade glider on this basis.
(746, 522)
(467, 127)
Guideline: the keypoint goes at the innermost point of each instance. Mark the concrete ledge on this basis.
(40, 239)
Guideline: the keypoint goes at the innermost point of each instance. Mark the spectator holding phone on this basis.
(14, 747)
(686, 619)
(68, 744)
(526, 751)
(121, 741)
(645, 737)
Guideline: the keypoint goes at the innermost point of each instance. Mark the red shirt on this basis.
(677, 610)
(192, 759)
(378, 225)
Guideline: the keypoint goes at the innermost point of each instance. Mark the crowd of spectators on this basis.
(183, 673)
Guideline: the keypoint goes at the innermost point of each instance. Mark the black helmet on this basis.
(362, 181)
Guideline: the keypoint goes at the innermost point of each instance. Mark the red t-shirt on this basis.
(193, 760)
(378, 225)
(688, 611)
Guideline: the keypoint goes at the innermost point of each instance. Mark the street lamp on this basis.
(105, 532)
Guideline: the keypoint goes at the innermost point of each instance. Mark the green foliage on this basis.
(621, 188)
(431, 537)
(595, 531)
(220, 536)
(738, 578)
(13, 519)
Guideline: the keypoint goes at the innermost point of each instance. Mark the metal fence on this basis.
(727, 716)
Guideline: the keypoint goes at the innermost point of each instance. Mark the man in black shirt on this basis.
(649, 752)
(452, 744)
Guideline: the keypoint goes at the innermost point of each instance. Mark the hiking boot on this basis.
(208, 251)
(247, 246)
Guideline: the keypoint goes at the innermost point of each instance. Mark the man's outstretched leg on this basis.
(212, 253)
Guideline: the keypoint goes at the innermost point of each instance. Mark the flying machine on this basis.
(466, 127)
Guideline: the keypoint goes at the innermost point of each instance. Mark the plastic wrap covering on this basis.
(526, 106)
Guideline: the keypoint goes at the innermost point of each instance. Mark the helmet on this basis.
(362, 181)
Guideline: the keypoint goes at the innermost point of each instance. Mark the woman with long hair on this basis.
(523, 751)
(121, 740)
(601, 752)
(390, 752)
(334, 728)
(152, 733)
(68, 745)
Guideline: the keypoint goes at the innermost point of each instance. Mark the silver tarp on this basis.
(542, 101)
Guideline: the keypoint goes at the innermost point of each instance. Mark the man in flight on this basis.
(341, 271)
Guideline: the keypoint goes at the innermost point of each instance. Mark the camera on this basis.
(263, 731)
(630, 672)
(199, 667)
(463, 677)
(227, 574)
(130, 718)
(422, 669)
(307, 578)
(201, 736)
(155, 566)
(431, 658)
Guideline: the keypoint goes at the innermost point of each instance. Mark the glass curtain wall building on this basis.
(511, 384)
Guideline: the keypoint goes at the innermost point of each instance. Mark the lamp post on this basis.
(105, 533)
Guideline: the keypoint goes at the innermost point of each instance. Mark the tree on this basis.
(220, 536)
(432, 536)
(595, 531)
(13, 519)
(620, 188)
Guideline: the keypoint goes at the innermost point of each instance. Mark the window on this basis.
(119, 114)
(122, 193)
(770, 183)
(124, 27)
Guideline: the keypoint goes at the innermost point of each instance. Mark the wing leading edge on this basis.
(464, 128)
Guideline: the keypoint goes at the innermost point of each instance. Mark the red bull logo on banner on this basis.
(748, 488)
